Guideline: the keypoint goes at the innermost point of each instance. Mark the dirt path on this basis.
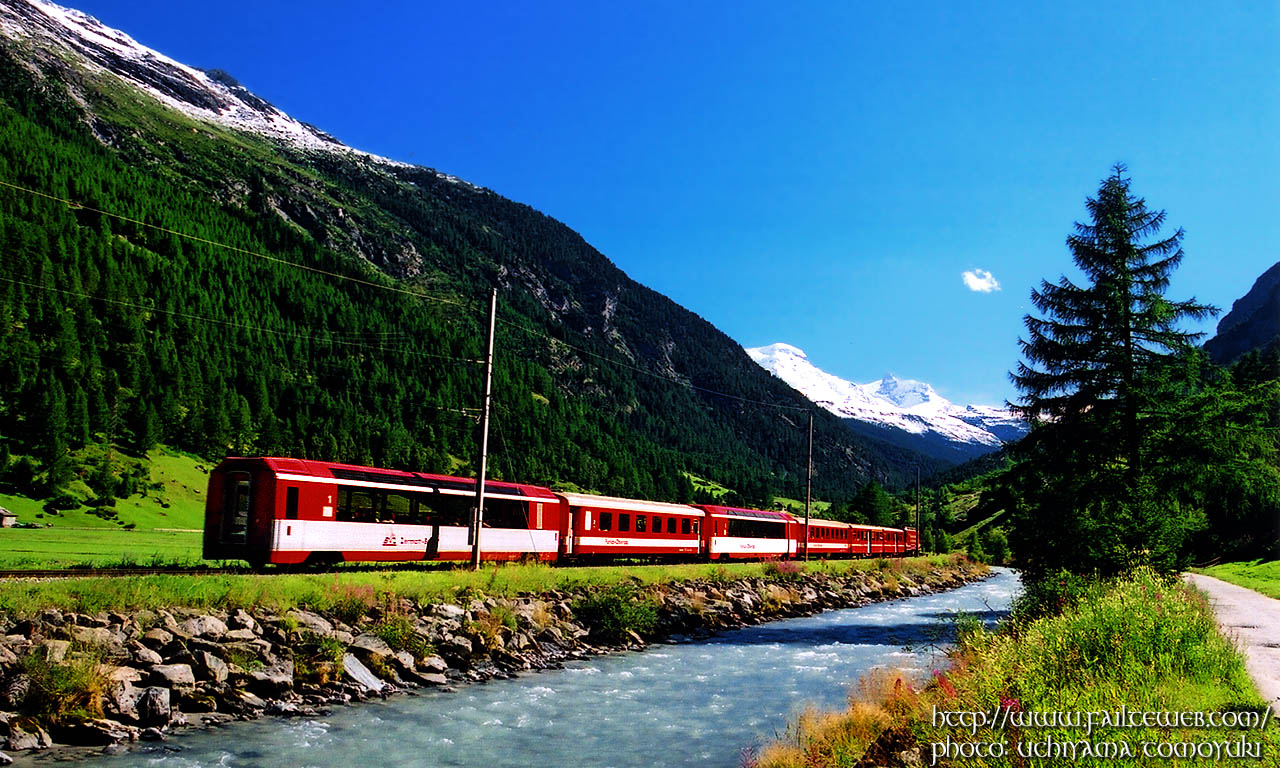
(1254, 620)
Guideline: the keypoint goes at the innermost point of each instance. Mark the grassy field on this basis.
(1259, 575)
(325, 591)
(1147, 644)
(161, 527)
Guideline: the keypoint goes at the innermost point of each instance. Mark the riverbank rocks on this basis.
(152, 667)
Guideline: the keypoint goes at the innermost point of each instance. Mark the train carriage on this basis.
(732, 532)
(605, 526)
(827, 538)
(290, 511)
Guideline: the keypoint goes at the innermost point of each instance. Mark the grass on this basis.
(1146, 643)
(1259, 575)
(351, 593)
(162, 527)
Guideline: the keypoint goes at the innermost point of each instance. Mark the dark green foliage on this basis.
(1138, 444)
(613, 612)
(117, 332)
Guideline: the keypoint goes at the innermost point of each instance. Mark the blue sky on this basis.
(815, 173)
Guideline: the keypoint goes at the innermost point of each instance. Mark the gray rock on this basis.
(313, 622)
(343, 636)
(251, 700)
(21, 739)
(433, 664)
(240, 635)
(405, 661)
(5, 759)
(55, 650)
(92, 733)
(157, 637)
(14, 691)
(372, 645)
(242, 620)
(274, 680)
(214, 668)
(204, 626)
(153, 707)
(144, 655)
(449, 611)
(359, 673)
(177, 676)
(98, 636)
(431, 678)
(122, 702)
(124, 675)
(152, 734)
(7, 657)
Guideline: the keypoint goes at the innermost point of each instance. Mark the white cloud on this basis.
(980, 280)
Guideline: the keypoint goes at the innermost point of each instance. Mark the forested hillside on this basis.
(166, 280)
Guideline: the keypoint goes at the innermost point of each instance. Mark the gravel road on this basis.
(1254, 621)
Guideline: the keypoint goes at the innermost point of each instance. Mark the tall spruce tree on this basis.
(1098, 381)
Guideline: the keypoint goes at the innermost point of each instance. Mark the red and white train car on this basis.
(732, 532)
(605, 526)
(290, 511)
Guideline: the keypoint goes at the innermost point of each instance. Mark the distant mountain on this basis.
(902, 411)
(1253, 322)
(115, 328)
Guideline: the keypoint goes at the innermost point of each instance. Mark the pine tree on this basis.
(1099, 376)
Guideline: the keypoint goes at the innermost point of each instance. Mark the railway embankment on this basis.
(99, 680)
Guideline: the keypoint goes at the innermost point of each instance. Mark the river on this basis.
(694, 704)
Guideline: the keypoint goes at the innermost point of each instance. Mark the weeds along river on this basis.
(694, 704)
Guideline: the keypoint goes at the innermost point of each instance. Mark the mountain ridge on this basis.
(904, 411)
(602, 382)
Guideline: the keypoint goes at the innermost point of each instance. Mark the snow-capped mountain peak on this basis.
(211, 96)
(897, 405)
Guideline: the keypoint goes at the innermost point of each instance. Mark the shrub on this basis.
(400, 632)
(783, 570)
(65, 691)
(610, 613)
(349, 602)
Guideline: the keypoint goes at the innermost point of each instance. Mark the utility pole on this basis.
(808, 491)
(917, 509)
(477, 518)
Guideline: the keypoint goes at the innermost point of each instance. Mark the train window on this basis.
(684, 525)
(695, 526)
(640, 524)
(624, 522)
(606, 521)
(356, 505)
(505, 513)
(398, 508)
(291, 502)
(671, 525)
(756, 529)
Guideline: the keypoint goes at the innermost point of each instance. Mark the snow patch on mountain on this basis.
(903, 404)
(211, 96)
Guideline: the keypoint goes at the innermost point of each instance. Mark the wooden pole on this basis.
(477, 519)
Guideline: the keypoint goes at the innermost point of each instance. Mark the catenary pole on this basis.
(477, 518)
(808, 491)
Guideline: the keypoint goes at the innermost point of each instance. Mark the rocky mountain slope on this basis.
(186, 264)
(1253, 322)
(902, 411)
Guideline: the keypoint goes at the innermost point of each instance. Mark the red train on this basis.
(292, 511)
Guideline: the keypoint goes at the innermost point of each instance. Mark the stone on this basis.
(5, 759)
(312, 621)
(450, 611)
(405, 661)
(359, 673)
(14, 691)
(177, 676)
(55, 650)
(96, 732)
(433, 664)
(152, 734)
(144, 655)
(212, 667)
(242, 620)
(157, 638)
(123, 674)
(240, 635)
(274, 680)
(7, 657)
(431, 678)
(21, 739)
(97, 636)
(204, 626)
(372, 645)
(153, 707)
(122, 702)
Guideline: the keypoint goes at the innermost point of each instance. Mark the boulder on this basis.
(144, 655)
(242, 635)
(153, 707)
(177, 676)
(433, 664)
(7, 657)
(157, 638)
(211, 667)
(5, 759)
(204, 626)
(242, 620)
(274, 680)
(97, 636)
(359, 673)
(371, 645)
(314, 622)
(96, 732)
(121, 702)
(28, 736)
(55, 650)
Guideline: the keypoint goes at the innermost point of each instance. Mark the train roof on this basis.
(750, 514)
(376, 477)
(628, 505)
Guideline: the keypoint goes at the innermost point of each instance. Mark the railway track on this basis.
(72, 573)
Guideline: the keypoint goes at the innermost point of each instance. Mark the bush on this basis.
(610, 613)
(66, 691)
(1049, 595)
(400, 632)
(783, 570)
